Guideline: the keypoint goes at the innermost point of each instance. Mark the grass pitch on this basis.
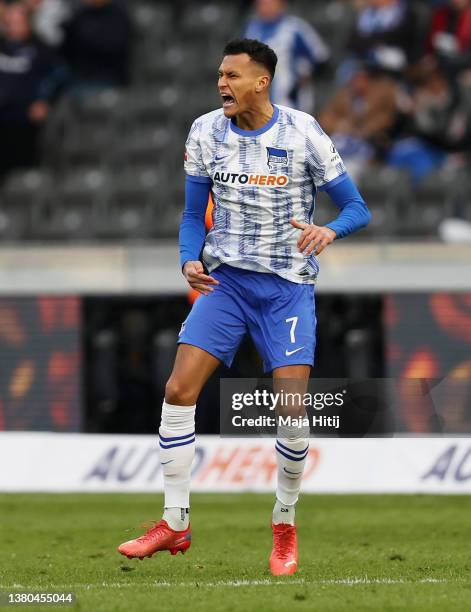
(358, 552)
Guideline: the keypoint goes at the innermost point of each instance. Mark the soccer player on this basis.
(256, 271)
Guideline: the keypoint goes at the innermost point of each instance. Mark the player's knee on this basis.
(179, 394)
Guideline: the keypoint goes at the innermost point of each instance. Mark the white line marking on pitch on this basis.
(238, 583)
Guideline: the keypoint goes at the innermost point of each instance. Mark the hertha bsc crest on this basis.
(276, 158)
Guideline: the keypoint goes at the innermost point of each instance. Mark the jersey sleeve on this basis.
(194, 165)
(322, 159)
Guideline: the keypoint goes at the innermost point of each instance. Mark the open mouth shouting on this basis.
(228, 101)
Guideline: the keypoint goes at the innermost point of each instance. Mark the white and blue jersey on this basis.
(260, 180)
(299, 48)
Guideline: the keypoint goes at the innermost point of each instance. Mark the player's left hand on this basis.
(313, 238)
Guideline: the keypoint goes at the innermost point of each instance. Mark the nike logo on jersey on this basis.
(165, 462)
(220, 157)
(288, 353)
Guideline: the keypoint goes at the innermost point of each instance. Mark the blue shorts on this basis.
(278, 314)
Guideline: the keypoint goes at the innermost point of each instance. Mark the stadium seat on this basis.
(154, 34)
(387, 192)
(71, 211)
(88, 145)
(152, 19)
(128, 210)
(152, 64)
(206, 70)
(220, 19)
(100, 106)
(205, 98)
(171, 60)
(176, 65)
(146, 146)
(148, 105)
(14, 221)
(23, 187)
(166, 219)
(439, 195)
(79, 128)
(22, 195)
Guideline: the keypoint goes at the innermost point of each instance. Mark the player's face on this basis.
(239, 81)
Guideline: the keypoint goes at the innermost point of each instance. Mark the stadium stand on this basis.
(110, 163)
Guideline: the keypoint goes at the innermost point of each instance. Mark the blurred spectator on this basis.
(47, 18)
(299, 47)
(360, 117)
(434, 123)
(449, 38)
(385, 33)
(30, 79)
(97, 45)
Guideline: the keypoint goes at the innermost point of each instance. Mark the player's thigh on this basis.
(216, 323)
(192, 368)
(285, 329)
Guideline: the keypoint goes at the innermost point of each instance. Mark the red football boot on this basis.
(284, 555)
(159, 537)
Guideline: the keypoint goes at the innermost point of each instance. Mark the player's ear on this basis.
(262, 83)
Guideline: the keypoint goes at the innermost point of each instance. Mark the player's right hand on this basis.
(193, 271)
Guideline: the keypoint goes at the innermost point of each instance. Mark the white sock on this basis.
(177, 449)
(178, 519)
(292, 447)
(283, 513)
